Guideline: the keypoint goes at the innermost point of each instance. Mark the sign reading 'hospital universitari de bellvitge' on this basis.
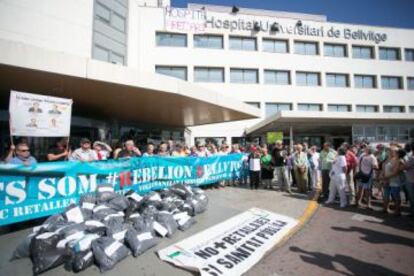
(200, 21)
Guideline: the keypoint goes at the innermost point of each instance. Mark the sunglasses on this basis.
(24, 150)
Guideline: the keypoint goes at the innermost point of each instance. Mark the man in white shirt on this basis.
(84, 153)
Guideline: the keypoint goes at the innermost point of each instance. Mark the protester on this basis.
(163, 150)
(179, 151)
(84, 153)
(314, 168)
(327, 156)
(130, 150)
(351, 163)
(254, 167)
(103, 150)
(118, 148)
(338, 179)
(391, 176)
(22, 157)
(170, 146)
(300, 162)
(202, 151)
(280, 170)
(193, 151)
(150, 150)
(58, 152)
(409, 178)
(367, 164)
(266, 168)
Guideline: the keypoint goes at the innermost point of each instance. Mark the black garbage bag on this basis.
(187, 207)
(184, 220)
(80, 261)
(116, 228)
(44, 253)
(105, 193)
(108, 252)
(135, 202)
(95, 227)
(89, 198)
(166, 193)
(87, 209)
(150, 211)
(63, 243)
(70, 229)
(74, 214)
(140, 241)
(100, 212)
(83, 244)
(201, 203)
(167, 221)
(183, 191)
(119, 203)
(23, 249)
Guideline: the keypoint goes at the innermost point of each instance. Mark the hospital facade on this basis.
(209, 72)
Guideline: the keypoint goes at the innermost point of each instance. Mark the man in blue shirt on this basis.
(22, 157)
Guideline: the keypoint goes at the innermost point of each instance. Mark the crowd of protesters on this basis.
(354, 173)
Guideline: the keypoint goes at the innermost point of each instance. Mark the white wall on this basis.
(152, 20)
(63, 25)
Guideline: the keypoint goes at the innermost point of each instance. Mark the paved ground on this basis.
(223, 204)
(345, 242)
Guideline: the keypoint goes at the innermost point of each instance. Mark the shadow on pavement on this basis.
(354, 266)
(398, 222)
(377, 237)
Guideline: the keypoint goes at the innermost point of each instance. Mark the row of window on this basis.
(273, 108)
(282, 46)
(283, 77)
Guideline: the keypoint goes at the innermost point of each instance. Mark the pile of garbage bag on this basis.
(105, 227)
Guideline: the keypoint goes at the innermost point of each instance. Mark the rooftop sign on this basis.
(199, 21)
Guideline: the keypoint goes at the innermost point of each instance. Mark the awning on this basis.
(108, 91)
(317, 121)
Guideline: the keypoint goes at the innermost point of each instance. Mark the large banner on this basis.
(231, 247)
(39, 116)
(47, 188)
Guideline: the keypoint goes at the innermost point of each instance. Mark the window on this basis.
(365, 81)
(367, 108)
(337, 80)
(208, 74)
(172, 71)
(273, 108)
(409, 54)
(171, 39)
(117, 58)
(309, 107)
(254, 104)
(307, 79)
(411, 109)
(306, 48)
(339, 108)
(103, 13)
(393, 109)
(275, 45)
(389, 53)
(243, 43)
(208, 41)
(410, 83)
(391, 82)
(276, 77)
(364, 52)
(244, 76)
(118, 22)
(100, 53)
(335, 50)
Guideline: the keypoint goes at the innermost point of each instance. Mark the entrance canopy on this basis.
(336, 123)
(109, 91)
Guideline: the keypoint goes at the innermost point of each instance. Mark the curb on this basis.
(310, 210)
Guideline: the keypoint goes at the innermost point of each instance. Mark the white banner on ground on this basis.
(231, 247)
(39, 116)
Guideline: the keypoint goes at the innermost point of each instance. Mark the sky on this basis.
(390, 13)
